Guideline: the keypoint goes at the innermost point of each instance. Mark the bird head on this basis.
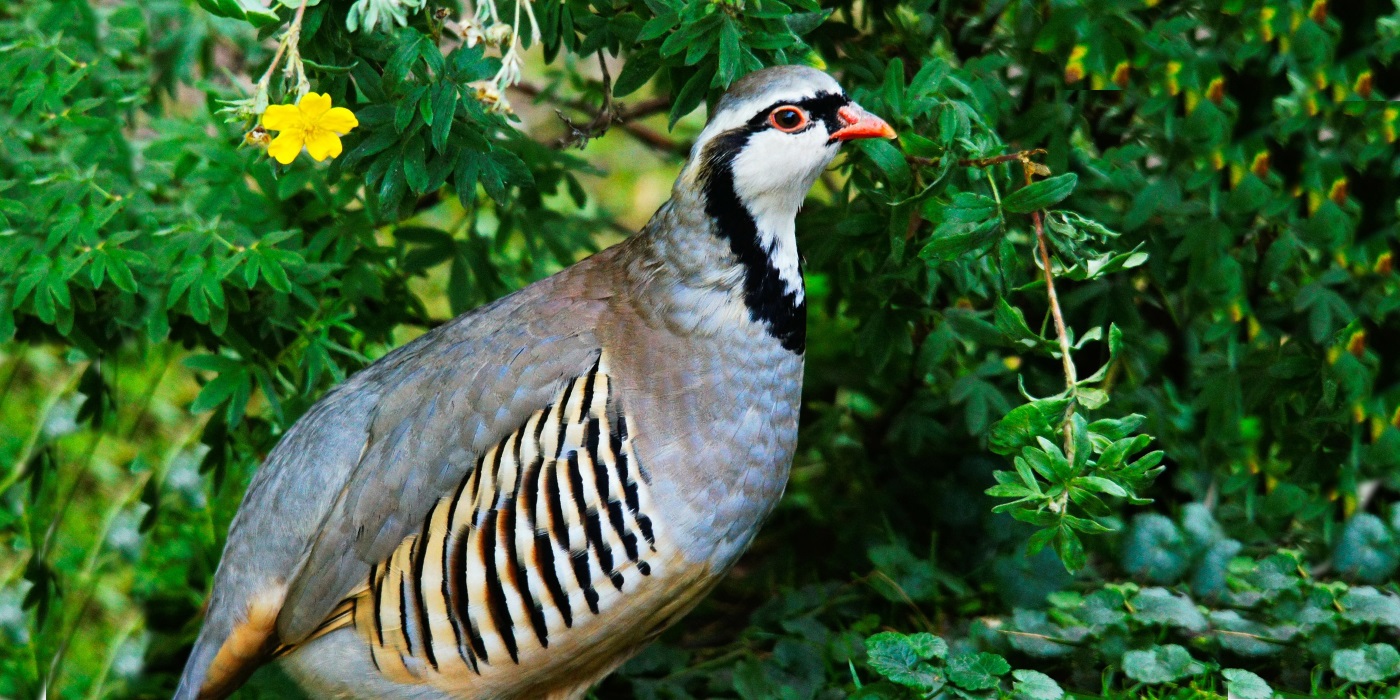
(772, 135)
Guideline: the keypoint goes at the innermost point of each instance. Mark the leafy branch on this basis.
(1064, 464)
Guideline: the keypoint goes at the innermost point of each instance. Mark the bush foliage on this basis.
(1102, 391)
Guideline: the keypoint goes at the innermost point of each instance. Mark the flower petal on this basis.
(323, 144)
(339, 119)
(279, 117)
(286, 147)
(314, 105)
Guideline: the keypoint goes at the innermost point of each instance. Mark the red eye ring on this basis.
(788, 119)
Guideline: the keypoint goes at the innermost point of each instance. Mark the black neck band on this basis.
(765, 294)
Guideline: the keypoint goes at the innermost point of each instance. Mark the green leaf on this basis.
(415, 169)
(691, 94)
(1370, 663)
(951, 241)
(888, 159)
(245, 10)
(1070, 548)
(1034, 685)
(218, 390)
(978, 671)
(1367, 605)
(1021, 427)
(1159, 606)
(1099, 484)
(1160, 664)
(800, 23)
(636, 72)
(444, 102)
(728, 53)
(655, 28)
(893, 656)
(1155, 549)
(928, 646)
(1041, 194)
(1367, 549)
(1245, 684)
(1117, 428)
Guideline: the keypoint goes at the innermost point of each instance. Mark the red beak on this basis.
(860, 124)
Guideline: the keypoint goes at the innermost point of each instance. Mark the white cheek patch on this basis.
(772, 174)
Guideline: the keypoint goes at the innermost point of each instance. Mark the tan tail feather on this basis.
(343, 615)
(248, 645)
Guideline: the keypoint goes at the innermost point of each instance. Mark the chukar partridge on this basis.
(515, 503)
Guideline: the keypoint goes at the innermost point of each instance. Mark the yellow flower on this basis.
(312, 123)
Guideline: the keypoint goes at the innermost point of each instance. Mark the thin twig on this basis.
(579, 136)
(1030, 168)
(623, 118)
(292, 34)
(1020, 156)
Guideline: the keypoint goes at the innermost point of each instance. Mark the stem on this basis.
(623, 118)
(292, 34)
(1060, 333)
(1030, 168)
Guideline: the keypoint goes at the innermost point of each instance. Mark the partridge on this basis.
(518, 501)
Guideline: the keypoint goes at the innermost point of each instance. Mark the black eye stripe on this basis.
(821, 107)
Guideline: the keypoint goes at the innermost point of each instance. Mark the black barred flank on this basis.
(421, 609)
(496, 605)
(516, 536)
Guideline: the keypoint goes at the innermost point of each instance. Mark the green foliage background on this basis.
(1221, 221)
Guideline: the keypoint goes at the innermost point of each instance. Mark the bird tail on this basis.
(225, 654)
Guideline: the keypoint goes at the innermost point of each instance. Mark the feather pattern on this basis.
(553, 522)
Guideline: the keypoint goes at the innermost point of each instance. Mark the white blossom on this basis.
(371, 15)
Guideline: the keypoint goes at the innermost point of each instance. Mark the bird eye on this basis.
(788, 119)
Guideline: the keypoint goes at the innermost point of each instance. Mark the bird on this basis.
(516, 502)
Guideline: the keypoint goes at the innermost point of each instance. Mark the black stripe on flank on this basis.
(376, 590)
(532, 477)
(592, 436)
(496, 469)
(544, 563)
(579, 558)
(475, 490)
(403, 614)
(497, 609)
(519, 575)
(586, 404)
(614, 505)
(629, 487)
(555, 505)
(454, 575)
(563, 408)
(421, 554)
(531, 495)
(580, 561)
(645, 523)
(593, 525)
(462, 604)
